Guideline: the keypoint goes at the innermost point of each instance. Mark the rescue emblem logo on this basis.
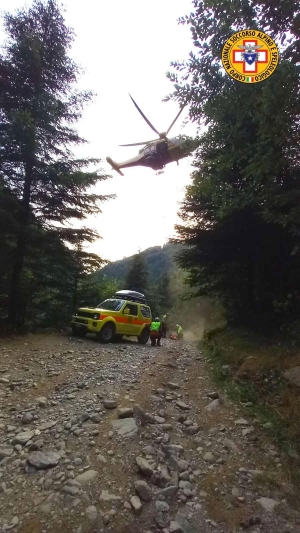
(250, 56)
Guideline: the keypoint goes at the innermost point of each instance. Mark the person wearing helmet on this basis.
(179, 332)
(155, 332)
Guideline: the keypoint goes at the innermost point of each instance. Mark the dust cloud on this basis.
(195, 316)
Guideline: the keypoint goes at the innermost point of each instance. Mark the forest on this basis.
(238, 240)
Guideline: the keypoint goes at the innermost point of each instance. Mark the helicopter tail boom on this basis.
(114, 165)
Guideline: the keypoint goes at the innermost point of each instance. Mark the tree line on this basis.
(240, 215)
(44, 189)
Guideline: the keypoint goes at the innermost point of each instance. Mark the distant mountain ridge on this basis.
(159, 260)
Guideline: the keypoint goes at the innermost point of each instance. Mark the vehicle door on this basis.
(130, 314)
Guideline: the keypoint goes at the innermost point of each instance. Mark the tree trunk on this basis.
(13, 316)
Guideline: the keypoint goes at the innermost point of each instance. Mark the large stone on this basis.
(41, 460)
(168, 491)
(268, 504)
(185, 524)
(173, 386)
(91, 513)
(23, 437)
(87, 476)
(136, 504)
(72, 490)
(185, 484)
(144, 490)
(27, 418)
(183, 406)
(125, 412)
(192, 430)
(161, 506)
(47, 425)
(208, 457)
(5, 452)
(180, 465)
(241, 422)
(41, 401)
(144, 467)
(105, 496)
(293, 376)
(125, 427)
(174, 527)
(212, 406)
(95, 418)
(110, 404)
(174, 449)
(230, 445)
(159, 420)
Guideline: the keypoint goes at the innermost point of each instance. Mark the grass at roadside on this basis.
(250, 370)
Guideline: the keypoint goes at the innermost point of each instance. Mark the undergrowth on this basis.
(248, 394)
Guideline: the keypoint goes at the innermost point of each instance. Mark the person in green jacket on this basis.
(155, 332)
(179, 332)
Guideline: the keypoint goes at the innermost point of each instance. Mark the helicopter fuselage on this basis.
(158, 154)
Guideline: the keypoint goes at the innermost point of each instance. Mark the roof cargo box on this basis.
(133, 296)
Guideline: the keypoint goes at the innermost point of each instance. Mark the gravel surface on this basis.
(129, 438)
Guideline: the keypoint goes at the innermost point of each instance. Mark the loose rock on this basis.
(136, 504)
(144, 467)
(87, 476)
(41, 460)
(91, 513)
(144, 490)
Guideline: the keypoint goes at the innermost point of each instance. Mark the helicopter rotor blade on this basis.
(177, 116)
(139, 144)
(144, 116)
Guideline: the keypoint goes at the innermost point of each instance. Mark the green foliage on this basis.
(46, 185)
(159, 260)
(157, 275)
(226, 350)
(137, 276)
(241, 212)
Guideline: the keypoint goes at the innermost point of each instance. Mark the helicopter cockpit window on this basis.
(150, 149)
(162, 147)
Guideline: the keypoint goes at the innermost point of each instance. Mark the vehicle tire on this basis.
(144, 336)
(107, 333)
(78, 332)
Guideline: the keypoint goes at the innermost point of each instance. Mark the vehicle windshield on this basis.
(111, 305)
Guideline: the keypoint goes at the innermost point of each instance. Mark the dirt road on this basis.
(129, 438)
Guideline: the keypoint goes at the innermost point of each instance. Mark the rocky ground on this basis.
(128, 438)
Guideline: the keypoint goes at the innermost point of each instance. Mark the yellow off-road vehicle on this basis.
(126, 313)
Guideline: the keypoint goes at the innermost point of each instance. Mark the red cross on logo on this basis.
(263, 57)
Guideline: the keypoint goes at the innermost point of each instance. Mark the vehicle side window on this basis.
(145, 311)
(133, 309)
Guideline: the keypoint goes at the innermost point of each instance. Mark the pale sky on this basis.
(126, 46)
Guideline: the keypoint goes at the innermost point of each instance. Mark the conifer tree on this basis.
(39, 106)
(137, 276)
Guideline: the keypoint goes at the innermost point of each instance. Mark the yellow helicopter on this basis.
(159, 152)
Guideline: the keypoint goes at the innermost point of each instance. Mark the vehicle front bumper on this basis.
(86, 324)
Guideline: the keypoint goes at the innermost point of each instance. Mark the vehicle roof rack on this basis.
(132, 296)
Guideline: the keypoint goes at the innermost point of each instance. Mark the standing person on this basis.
(179, 332)
(155, 332)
